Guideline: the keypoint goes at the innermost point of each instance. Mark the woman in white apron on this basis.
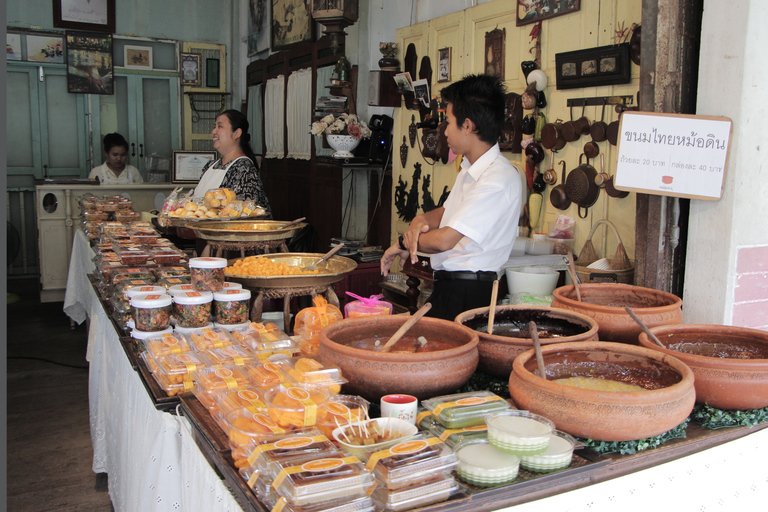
(236, 169)
(115, 170)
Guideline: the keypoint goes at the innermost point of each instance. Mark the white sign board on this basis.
(673, 154)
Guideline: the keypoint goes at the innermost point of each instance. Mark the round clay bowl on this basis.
(374, 374)
(599, 414)
(730, 364)
(511, 337)
(605, 302)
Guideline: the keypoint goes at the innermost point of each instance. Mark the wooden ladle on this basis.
(644, 327)
(292, 223)
(492, 310)
(574, 276)
(537, 348)
(407, 325)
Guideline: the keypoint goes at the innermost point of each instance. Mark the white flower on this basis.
(329, 119)
(318, 128)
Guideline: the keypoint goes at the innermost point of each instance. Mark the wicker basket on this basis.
(621, 269)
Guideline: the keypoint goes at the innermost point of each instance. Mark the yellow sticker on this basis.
(465, 402)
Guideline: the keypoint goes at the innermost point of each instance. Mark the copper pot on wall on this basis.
(581, 188)
(599, 129)
(552, 136)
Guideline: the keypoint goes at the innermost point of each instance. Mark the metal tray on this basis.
(258, 230)
(179, 222)
(331, 271)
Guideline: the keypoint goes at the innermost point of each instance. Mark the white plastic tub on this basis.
(532, 280)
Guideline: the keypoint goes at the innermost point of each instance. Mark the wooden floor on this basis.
(49, 444)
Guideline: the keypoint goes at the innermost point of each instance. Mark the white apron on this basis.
(212, 178)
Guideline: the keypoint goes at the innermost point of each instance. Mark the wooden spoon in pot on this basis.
(492, 310)
(574, 276)
(292, 223)
(407, 325)
(537, 348)
(644, 327)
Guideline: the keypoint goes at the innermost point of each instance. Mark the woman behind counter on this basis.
(236, 169)
(115, 171)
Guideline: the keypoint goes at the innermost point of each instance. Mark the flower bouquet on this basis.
(345, 124)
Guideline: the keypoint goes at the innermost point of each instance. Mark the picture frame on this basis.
(188, 165)
(212, 73)
(495, 52)
(404, 81)
(444, 65)
(13, 46)
(90, 64)
(137, 57)
(190, 69)
(604, 65)
(45, 48)
(259, 20)
(533, 11)
(421, 92)
(291, 23)
(92, 15)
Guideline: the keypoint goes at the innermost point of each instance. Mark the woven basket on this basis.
(621, 269)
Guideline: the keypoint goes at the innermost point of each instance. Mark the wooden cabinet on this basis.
(363, 281)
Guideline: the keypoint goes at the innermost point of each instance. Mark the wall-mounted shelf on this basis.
(200, 103)
(626, 101)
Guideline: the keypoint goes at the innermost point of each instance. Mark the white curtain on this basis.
(256, 119)
(323, 81)
(299, 111)
(274, 118)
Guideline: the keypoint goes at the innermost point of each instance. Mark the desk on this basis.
(154, 464)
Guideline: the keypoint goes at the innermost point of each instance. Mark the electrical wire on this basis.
(49, 361)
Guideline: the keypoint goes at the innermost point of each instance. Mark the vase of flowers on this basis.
(343, 133)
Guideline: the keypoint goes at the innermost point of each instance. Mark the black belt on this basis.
(446, 275)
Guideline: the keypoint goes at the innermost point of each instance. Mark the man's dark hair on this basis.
(481, 99)
(114, 139)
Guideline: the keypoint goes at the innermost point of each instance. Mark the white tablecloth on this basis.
(77, 299)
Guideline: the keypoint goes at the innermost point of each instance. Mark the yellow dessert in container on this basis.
(296, 407)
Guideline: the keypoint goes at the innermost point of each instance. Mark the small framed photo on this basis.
(212, 73)
(89, 63)
(137, 57)
(444, 65)
(95, 15)
(605, 65)
(404, 81)
(188, 165)
(421, 92)
(45, 49)
(190, 69)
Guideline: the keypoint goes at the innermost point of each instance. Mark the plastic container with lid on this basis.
(143, 335)
(256, 334)
(179, 288)
(132, 287)
(266, 375)
(169, 282)
(370, 436)
(192, 309)
(166, 256)
(126, 215)
(232, 306)
(415, 461)
(340, 410)
(177, 368)
(424, 418)
(232, 355)
(245, 427)
(465, 409)
(558, 454)
(414, 496)
(179, 271)
(454, 436)
(229, 285)
(207, 273)
(133, 256)
(167, 343)
(310, 321)
(293, 449)
(239, 398)
(95, 216)
(313, 370)
(371, 306)
(273, 501)
(152, 312)
(211, 337)
(296, 407)
(190, 330)
(217, 378)
(519, 432)
(482, 465)
(122, 273)
(233, 327)
(143, 236)
(170, 387)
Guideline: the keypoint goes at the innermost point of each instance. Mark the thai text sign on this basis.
(673, 154)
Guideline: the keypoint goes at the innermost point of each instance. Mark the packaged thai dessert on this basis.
(313, 370)
(107, 205)
(232, 306)
(265, 351)
(207, 273)
(310, 321)
(519, 432)
(465, 409)
(424, 418)
(121, 311)
(172, 388)
(179, 271)
(292, 448)
(143, 335)
(133, 257)
(296, 407)
(257, 335)
(482, 465)
(143, 236)
(322, 480)
(132, 287)
(415, 496)
(267, 375)
(177, 368)
(218, 378)
(192, 309)
(151, 312)
(367, 307)
(95, 216)
(211, 337)
(166, 256)
(169, 282)
(190, 330)
(232, 355)
(454, 436)
(245, 427)
(165, 344)
(240, 398)
(122, 273)
(418, 460)
(180, 288)
(341, 410)
(126, 215)
(112, 227)
(557, 456)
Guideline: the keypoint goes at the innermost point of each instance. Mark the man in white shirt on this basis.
(472, 235)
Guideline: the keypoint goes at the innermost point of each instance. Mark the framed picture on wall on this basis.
(533, 11)
(13, 46)
(291, 23)
(604, 65)
(45, 49)
(212, 73)
(188, 165)
(444, 65)
(137, 57)
(190, 69)
(89, 63)
(259, 20)
(93, 15)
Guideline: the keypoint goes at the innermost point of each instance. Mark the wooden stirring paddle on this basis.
(644, 327)
(537, 348)
(407, 325)
(574, 276)
(492, 310)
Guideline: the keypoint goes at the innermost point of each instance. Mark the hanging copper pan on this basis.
(581, 188)
(552, 137)
(599, 128)
(557, 196)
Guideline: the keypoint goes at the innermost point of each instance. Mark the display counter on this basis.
(159, 460)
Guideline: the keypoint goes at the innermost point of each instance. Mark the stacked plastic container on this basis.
(310, 321)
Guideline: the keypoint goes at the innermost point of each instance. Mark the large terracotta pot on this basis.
(605, 415)
(498, 350)
(605, 302)
(727, 382)
(423, 374)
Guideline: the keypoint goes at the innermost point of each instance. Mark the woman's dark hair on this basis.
(238, 120)
(481, 99)
(114, 139)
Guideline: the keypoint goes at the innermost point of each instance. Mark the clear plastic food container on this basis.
(165, 344)
(180, 288)
(126, 215)
(228, 285)
(232, 306)
(232, 355)
(267, 375)
(122, 273)
(143, 236)
(246, 427)
(322, 480)
(313, 370)
(207, 273)
(482, 465)
(454, 436)
(418, 460)
(424, 418)
(265, 351)
(190, 330)
(273, 501)
(169, 282)
(519, 432)
(180, 367)
(558, 454)
(291, 449)
(341, 410)
(151, 312)
(415, 496)
(260, 334)
(166, 256)
(95, 216)
(133, 287)
(218, 378)
(465, 409)
(296, 407)
(133, 257)
(175, 271)
(211, 337)
(107, 205)
(370, 436)
(240, 398)
(192, 309)
(171, 387)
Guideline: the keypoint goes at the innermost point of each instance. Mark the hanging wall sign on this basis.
(675, 155)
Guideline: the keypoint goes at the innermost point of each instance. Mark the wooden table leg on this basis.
(330, 294)
(413, 293)
(287, 314)
(258, 307)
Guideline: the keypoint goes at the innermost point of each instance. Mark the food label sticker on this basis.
(403, 448)
(338, 409)
(151, 297)
(193, 294)
(146, 288)
(248, 395)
